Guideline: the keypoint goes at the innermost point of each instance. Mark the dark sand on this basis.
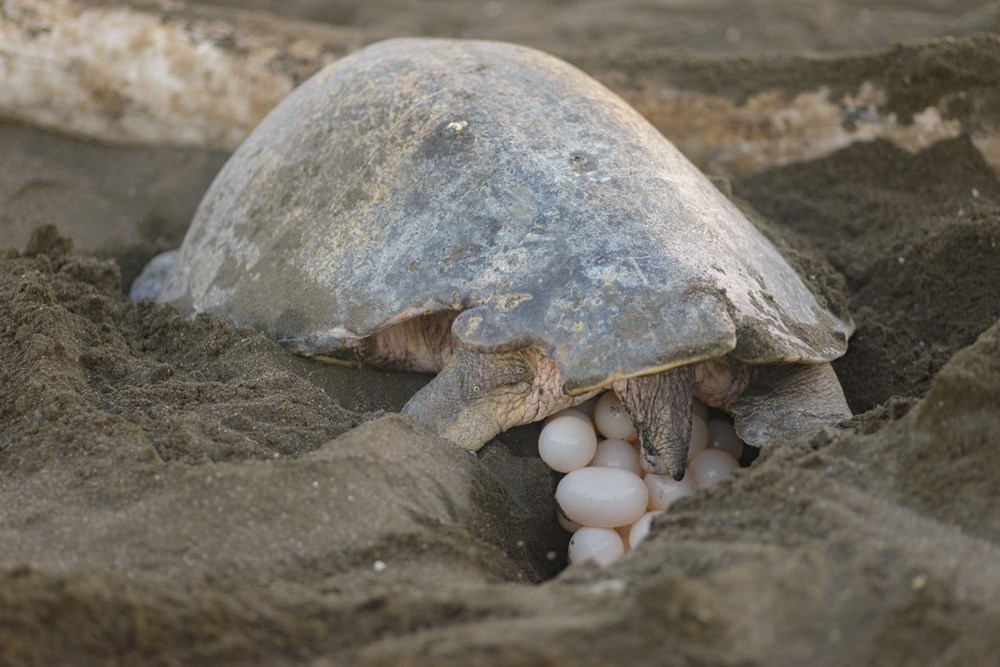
(179, 493)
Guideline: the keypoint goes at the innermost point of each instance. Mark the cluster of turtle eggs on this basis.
(606, 498)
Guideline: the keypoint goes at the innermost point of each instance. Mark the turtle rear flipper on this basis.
(477, 395)
(783, 400)
(660, 406)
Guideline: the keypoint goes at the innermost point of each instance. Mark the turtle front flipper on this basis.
(660, 406)
(477, 395)
(783, 400)
(149, 284)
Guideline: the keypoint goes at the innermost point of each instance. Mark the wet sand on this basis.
(186, 492)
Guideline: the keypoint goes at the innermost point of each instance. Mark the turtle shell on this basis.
(420, 175)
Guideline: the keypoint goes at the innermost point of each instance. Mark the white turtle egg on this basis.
(711, 467)
(613, 453)
(567, 443)
(664, 489)
(565, 523)
(612, 419)
(699, 436)
(602, 497)
(568, 412)
(600, 545)
(723, 436)
(699, 408)
(640, 529)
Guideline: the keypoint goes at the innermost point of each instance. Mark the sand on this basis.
(186, 492)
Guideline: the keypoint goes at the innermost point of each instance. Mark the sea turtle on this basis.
(492, 214)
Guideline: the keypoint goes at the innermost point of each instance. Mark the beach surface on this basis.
(183, 492)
